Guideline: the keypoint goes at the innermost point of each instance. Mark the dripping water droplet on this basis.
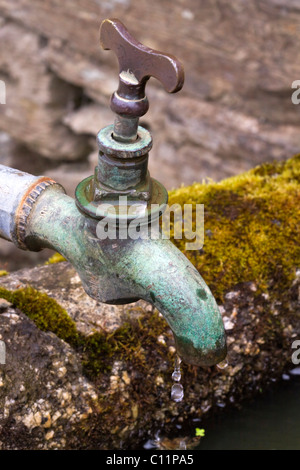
(223, 364)
(176, 376)
(177, 392)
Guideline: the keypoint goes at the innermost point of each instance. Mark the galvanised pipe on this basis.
(18, 192)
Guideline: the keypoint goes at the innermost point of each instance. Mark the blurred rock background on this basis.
(234, 112)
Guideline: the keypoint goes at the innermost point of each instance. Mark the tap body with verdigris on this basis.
(117, 265)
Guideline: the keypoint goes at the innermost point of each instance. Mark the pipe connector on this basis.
(19, 192)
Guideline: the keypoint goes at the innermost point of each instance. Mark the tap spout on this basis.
(123, 270)
(36, 213)
(163, 276)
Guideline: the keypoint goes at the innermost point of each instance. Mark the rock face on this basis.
(48, 402)
(43, 392)
(83, 375)
(234, 112)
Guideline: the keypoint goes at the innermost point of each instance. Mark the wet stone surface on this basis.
(49, 400)
(43, 393)
(63, 284)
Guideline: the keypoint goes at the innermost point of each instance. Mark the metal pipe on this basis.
(122, 270)
(36, 213)
(18, 192)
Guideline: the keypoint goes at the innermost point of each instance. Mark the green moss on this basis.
(252, 227)
(129, 343)
(56, 258)
(47, 314)
(3, 272)
(99, 350)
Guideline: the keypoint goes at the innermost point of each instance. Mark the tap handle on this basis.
(137, 63)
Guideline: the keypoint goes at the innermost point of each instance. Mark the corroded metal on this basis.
(122, 170)
(119, 175)
(108, 202)
(109, 146)
(122, 270)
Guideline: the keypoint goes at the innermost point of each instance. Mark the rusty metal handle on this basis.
(137, 63)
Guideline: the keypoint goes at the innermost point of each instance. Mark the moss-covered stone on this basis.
(252, 227)
(47, 314)
(98, 350)
(56, 258)
(128, 343)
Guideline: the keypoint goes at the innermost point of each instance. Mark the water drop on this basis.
(177, 392)
(176, 376)
(177, 389)
(222, 364)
